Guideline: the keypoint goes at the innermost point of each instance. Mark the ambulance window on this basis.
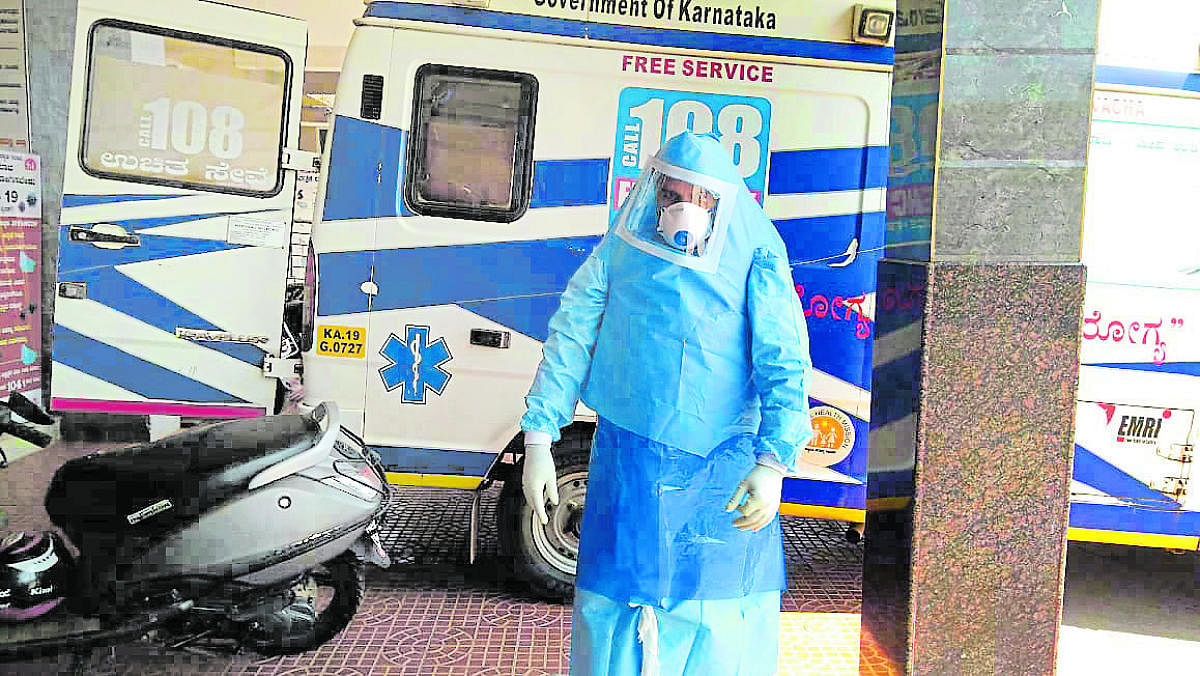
(184, 110)
(471, 150)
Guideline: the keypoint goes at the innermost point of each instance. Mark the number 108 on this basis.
(189, 128)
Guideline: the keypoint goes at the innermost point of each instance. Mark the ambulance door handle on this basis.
(104, 236)
(490, 338)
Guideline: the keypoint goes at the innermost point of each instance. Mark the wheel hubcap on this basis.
(558, 541)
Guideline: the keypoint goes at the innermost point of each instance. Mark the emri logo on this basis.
(415, 363)
(1139, 429)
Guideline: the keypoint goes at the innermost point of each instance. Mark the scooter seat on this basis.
(152, 487)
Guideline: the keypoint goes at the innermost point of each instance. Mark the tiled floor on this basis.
(431, 614)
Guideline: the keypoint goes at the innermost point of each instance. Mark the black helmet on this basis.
(34, 573)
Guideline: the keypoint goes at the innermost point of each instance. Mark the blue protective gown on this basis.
(694, 376)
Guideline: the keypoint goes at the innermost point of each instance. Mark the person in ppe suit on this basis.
(683, 332)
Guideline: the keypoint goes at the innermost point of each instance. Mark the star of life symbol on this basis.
(415, 363)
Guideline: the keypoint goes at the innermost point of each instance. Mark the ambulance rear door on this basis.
(177, 207)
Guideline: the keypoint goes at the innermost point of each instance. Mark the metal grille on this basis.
(372, 97)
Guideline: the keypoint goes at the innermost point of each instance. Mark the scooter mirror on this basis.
(318, 414)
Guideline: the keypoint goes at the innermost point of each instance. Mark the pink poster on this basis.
(20, 274)
(20, 304)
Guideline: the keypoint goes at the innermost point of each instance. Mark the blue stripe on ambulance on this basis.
(75, 255)
(828, 169)
(450, 274)
(113, 289)
(529, 315)
(1187, 368)
(517, 284)
(818, 241)
(131, 373)
(567, 183)
(69, 201)
(108, 286)
(435, 460)
(1145, 77)
(660, 37)
(1122, 518)
(364, 176)
(840, 341)
(824, 493)
(1096, 472)
(341, 275)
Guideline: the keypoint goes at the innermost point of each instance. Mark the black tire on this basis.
(346, 577)
(544, 557)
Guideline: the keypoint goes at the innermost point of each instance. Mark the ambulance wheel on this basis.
(544, 557)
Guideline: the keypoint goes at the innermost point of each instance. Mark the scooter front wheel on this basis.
(324, 603)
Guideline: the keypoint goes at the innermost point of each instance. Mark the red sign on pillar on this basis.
(20, 274)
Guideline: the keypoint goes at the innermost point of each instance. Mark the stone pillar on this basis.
(50, 50)
(977, 336)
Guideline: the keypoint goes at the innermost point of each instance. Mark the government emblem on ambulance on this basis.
(833, 437)
(415, 363)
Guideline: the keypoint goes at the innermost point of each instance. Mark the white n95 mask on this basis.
(685, 226)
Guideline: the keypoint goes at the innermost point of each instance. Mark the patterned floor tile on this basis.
(432, 614)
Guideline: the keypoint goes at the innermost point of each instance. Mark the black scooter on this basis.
(248, 534)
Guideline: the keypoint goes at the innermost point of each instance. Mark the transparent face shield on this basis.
(678, 215)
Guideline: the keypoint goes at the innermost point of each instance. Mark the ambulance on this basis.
(478, 151)
(1139, 376)
(475, 159)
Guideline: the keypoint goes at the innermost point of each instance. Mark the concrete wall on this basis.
(50, 44)
(330, 23)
